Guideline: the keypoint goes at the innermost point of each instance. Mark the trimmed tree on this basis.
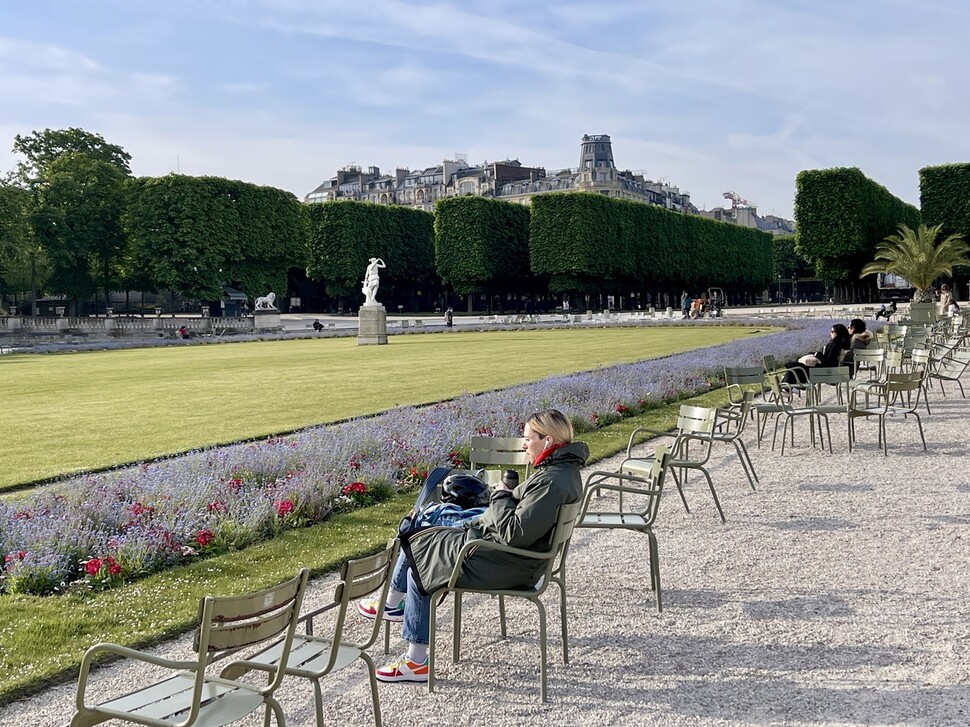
(840, 217)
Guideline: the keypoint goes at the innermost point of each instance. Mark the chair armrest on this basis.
(601, 483)
(127, 653)
(633, 435)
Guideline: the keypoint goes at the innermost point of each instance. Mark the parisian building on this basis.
(507, 180)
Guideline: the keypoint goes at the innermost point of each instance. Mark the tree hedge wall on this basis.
(944, 197)
(196, 234)
(590, 243)
(840, 217)
(343, 237)
(481, 244)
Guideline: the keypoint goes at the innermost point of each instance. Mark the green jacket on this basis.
(523, 518)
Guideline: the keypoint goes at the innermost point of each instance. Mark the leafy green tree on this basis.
(198, 234)
(481, 245)
(77, 219)
(787, 261)
(343, 236)
(917, 256)
(15, 236)
(40, 148)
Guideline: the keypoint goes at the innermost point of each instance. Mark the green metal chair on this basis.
(645, 492)
(898, 396)
(730, 427)
(314, 657)
(190, 696)
(554, 572)
(694, 424)
(791, 412)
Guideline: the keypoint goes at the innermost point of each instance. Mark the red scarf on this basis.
(546, 452)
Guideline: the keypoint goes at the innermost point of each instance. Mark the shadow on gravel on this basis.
(803, 607)
(950, 519)
(814, 523)
(835, 487)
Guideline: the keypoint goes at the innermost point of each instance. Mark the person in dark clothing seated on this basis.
(839, 341)
(860, 339)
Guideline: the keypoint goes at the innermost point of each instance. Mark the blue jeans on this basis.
(416, 627)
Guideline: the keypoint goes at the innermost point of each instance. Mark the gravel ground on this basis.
(835, 594)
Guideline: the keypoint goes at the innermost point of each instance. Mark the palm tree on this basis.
(916, 256)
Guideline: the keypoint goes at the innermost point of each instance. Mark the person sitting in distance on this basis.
(317, 325)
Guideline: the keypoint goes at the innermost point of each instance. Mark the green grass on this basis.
(42, 639)
(74, 412)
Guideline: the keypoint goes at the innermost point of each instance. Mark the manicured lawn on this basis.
(71, 412)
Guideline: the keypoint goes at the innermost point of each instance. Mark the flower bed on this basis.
(99, 530)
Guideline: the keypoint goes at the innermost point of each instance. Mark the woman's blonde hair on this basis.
(551, 423)
(945, 288)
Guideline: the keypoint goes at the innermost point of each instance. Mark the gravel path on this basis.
(835, 594)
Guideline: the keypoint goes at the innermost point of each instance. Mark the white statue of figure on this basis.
(266, 302)
(372, 280)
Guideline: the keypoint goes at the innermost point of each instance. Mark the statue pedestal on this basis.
(264, 320)
(372, 328)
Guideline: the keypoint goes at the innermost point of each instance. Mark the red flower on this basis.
(621, 408)
(113, 567)
(16, 555)
(235, 482)
(22, 515)
(204, 538)
(354, 488)
(217, 506)
(283, 507)
(92, 566)
(137, 509)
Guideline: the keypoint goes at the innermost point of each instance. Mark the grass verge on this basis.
(42, 639)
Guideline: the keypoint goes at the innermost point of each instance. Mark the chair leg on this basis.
(542, 649)
(501, 616)
(456, 653)
(432, 630)
(654, 568)
(680, 489)
(277, 712)
(318, 696)
(563, 622)
(369, 665)
(710, 484)
(745, 462)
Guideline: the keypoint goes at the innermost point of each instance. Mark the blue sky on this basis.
(708, 96)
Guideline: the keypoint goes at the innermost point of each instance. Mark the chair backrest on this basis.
(837, 376)
(227, 623)
(485, 453)
(737, 377)
(658, 472)
(696, 419)
(871, 360)
(359, 577)
(770, 363)
(902, 385)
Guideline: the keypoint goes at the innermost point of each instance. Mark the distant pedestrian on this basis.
(449, 317)
(685, 302)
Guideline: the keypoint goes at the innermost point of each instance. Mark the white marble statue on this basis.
(372, 280)
(266, 302)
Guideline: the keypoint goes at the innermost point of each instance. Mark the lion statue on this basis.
(266, 302)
